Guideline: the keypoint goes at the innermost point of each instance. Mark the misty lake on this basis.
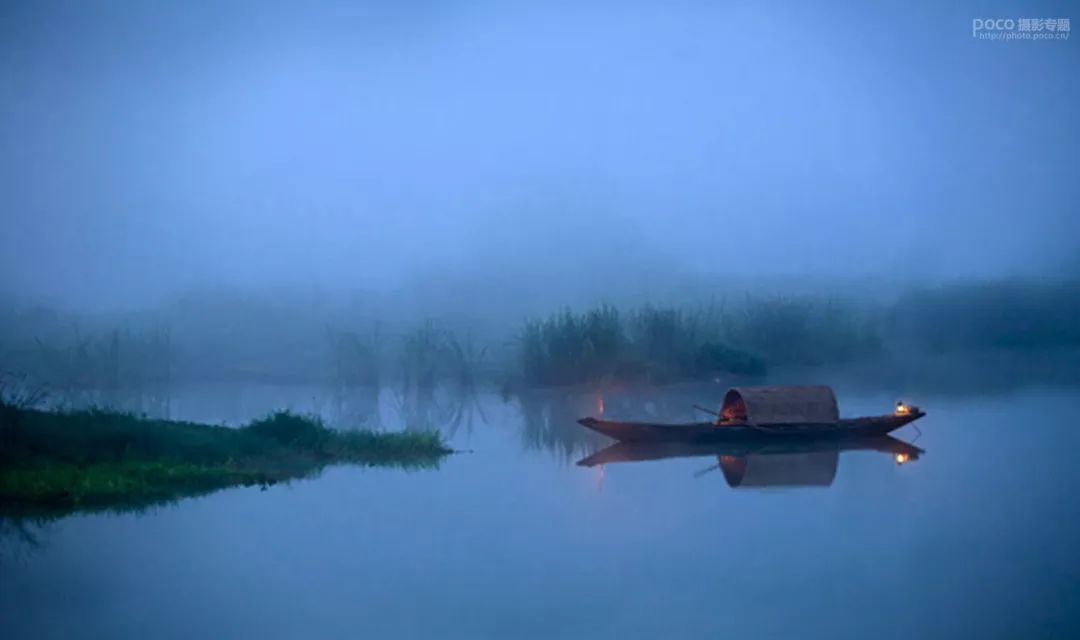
(242, 242)
(975, 538)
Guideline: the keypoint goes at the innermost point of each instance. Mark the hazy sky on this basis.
(149, 146)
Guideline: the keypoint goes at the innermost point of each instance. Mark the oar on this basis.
(701, 408)
(699, 473)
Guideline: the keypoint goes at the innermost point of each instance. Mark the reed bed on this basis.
(666, 344)
(739, 335)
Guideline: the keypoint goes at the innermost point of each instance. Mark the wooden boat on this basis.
(757, 413)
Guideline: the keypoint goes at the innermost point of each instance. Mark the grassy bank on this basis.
(57, 461)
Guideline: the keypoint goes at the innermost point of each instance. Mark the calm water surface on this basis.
(976, 538)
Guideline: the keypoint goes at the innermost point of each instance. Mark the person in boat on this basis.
(734, 411)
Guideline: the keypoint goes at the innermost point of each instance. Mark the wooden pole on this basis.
(701, 408)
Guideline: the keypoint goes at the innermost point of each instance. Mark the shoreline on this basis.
(64, 461)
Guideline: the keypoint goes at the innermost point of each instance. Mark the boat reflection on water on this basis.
(773, 464)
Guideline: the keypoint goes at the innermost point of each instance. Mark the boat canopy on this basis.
(780, 405)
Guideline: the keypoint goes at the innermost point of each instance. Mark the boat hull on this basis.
(742, 432)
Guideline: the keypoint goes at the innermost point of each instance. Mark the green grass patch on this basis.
(98, 459)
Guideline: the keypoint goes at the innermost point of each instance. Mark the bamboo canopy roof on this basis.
(814, 404)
